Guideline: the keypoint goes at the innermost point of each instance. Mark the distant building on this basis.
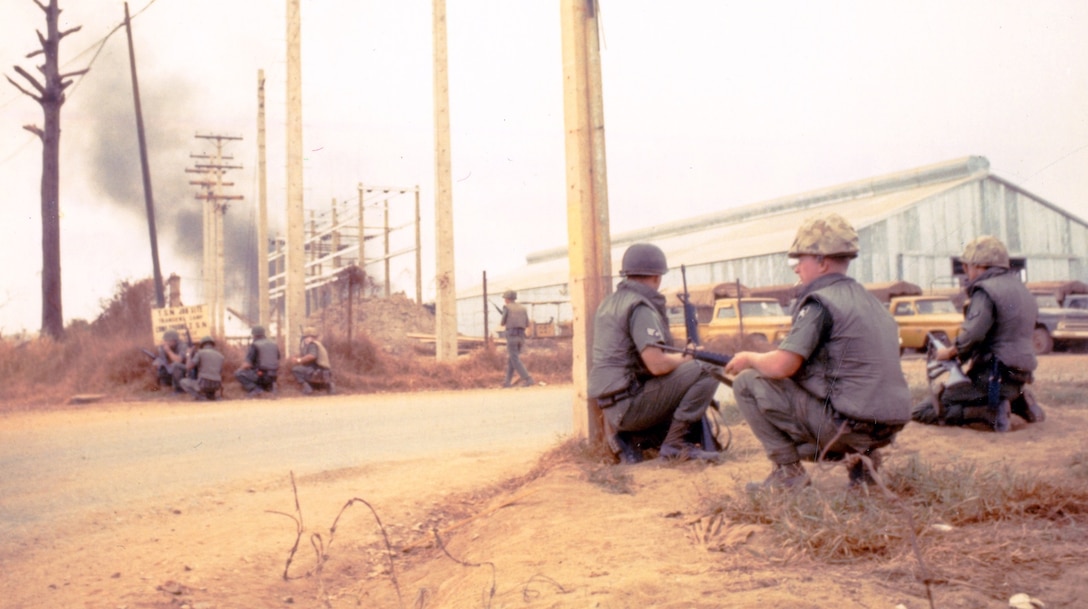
(910, 224)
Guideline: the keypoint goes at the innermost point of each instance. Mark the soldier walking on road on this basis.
(515, 318)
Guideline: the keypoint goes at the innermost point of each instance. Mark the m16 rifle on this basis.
(935, 368)
(691, 319)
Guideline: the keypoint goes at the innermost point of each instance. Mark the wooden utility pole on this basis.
(50, 96)
(149, 198)
(215, 209)
(295, 288)
(587, 195)
(262, 209)
(445, 286)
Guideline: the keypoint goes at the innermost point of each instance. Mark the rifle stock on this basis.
(710, 357)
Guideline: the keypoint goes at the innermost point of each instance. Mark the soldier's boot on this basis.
(627, 452)
(862, 474)
(1000, 417)
(676, 447)
(307, 388)
(787, 476)
(1026, 407)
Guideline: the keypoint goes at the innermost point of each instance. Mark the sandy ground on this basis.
(516, 532)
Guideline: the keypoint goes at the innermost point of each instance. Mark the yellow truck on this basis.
(761, 320)
(918, 316)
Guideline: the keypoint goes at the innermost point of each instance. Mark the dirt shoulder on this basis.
(562, 530)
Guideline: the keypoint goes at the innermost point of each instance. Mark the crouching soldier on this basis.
(312, 365)
(208, 364)
(995, 341)
(833, 389)
(261, 367)
(169, 362)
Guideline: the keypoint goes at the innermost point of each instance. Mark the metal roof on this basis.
(762, 228)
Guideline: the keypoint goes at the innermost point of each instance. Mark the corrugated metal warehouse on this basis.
(910, 225)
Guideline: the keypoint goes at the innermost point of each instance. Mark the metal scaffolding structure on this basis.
(382, 224)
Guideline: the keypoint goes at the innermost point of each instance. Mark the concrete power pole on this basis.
(445, 287)
(295, 289)
(262, 209)
(587, 195)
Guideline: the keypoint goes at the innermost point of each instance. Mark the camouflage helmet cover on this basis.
(643, 259)
(829, 235)
(986, 251)
(258, 331)
(170, 335)
(206, 340)
(510, 295)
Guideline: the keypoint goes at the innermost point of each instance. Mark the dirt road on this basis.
(63, 465)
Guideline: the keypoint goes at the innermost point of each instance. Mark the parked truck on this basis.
(725, 311)
(921, 316)
(1063, 315)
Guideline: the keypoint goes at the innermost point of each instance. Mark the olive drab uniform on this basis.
(318, 370)
(515, 318)
(263, 357)
(632, 398)
(208, 363)
(996, 342)
(850, 387)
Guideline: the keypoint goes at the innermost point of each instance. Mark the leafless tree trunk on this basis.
(51, 97)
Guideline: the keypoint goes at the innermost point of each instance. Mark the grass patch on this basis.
(847, 526)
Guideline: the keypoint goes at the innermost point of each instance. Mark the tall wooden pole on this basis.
(587, 195)
(262, 209)
(419, 255)
(295, 294)
(149, 199)
(445, 287)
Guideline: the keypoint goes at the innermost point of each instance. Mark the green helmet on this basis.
(829, 235)
(643, 259)
(206, 340)
(258, 331)
(170, 335)
(509, 295)
(986, 251)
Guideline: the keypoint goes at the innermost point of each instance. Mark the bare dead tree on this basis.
(50, 96)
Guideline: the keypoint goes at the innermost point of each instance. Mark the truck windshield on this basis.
(926, 307)
(761, 309)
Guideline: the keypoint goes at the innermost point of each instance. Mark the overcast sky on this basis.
(709, 104)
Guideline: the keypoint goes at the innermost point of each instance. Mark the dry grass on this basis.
(105, 357)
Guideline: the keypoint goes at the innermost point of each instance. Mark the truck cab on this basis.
(1063, 315)
(918, 316)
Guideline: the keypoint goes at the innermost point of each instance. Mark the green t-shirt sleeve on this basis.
(645, 328)
(806, 330)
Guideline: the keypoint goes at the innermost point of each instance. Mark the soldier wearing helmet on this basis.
(208, 364)
(169, 362)
(312, 367)
(995, 341)
(260, 369)
(833, 389)
(515, 318)
(638, 386)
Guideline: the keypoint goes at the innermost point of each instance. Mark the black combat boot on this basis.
(628, 453)
(861, 475)
(1026, 407)
(676, 447)
(1000, 420)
